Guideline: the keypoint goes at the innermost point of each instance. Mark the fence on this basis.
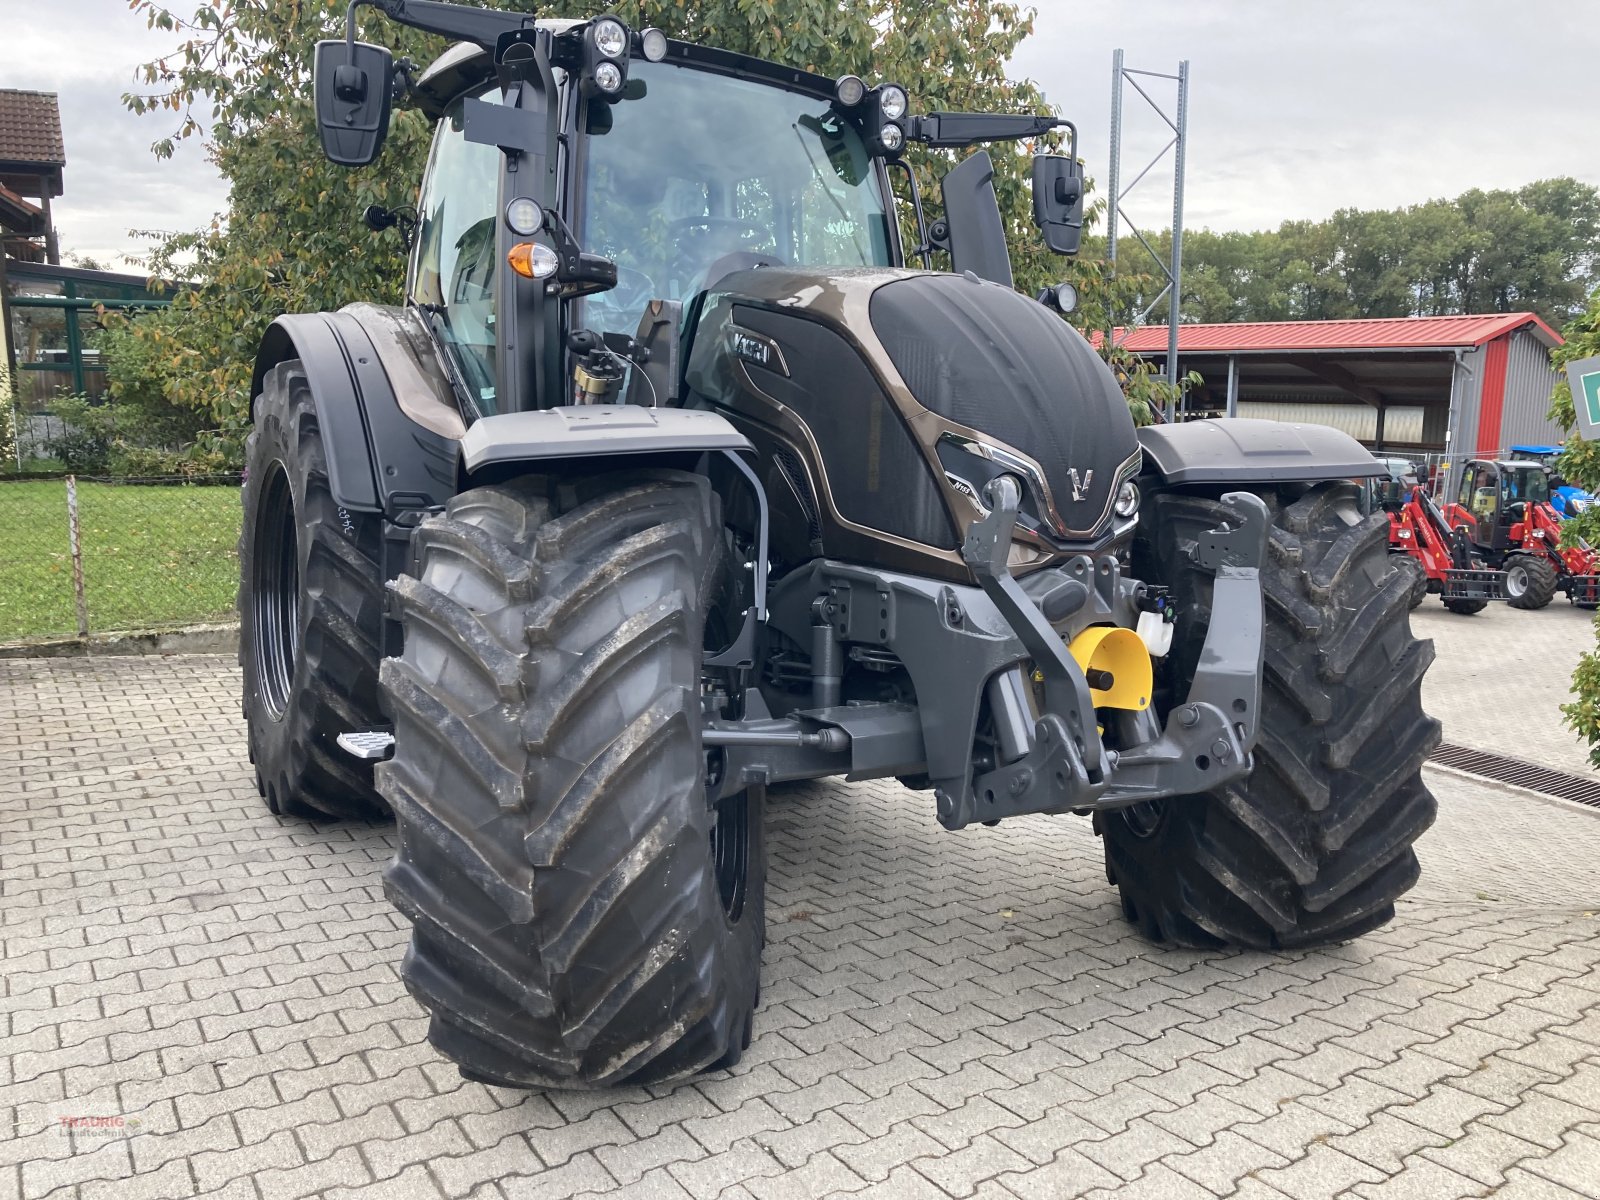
(81, 556)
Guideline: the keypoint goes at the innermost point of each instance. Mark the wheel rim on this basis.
(730, 852)
(275, 592)
(1144, 818)
(730, 825)
(1517, 581)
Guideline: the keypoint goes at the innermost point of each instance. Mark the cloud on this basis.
(1297, 110)
(87, 51)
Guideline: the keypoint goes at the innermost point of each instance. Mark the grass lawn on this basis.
(152, 556)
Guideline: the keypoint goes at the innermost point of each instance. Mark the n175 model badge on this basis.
(1080, 487)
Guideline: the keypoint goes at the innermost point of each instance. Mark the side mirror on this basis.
(1058, 201)
(352, 85)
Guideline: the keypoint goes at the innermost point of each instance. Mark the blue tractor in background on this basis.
(1568, 499)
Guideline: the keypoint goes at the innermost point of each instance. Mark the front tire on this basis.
(310, 614)
(582, 916)
(1530, 582)
(1315, 845)
(1410, 567)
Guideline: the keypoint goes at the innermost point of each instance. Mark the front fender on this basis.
(1241, 450)
(586, 431)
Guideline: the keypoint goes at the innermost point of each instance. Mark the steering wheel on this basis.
(634, 290)
(716, 239)
(745, 229)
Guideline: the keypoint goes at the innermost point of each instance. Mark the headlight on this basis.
(654, 45)
(849, 91)
(892, 137)
(892, 100)
(1127, 499)
(608, 77)
(524, 216)
(1579, 504)
(610, 38)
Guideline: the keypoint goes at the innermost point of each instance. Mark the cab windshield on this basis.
(705, 173)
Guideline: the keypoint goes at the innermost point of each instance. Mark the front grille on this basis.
(1520, 774)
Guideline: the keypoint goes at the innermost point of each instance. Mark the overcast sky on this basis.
(1296, 108)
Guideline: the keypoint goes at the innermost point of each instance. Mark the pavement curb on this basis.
(193, 639)
(1529, 793)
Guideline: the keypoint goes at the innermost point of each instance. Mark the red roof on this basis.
(1382, 333)
(30, 128)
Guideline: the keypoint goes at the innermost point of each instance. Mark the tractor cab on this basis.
(1494, 500)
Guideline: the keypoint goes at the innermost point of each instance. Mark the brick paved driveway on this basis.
(944, 1014)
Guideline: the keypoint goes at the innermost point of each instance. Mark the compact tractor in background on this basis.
(1504, 510)
(1567, 499)
(671, 481)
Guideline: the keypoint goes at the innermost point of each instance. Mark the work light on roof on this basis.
(610, 37)
(653, 44)
(849, 91)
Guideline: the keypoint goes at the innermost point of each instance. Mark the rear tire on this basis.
(1315, 845)
(1530, 582)
(310, 614)
(1466, 607)
(582, 917)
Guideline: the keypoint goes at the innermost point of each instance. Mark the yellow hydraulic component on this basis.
(1118, 660)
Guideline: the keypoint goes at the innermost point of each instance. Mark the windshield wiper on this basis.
(438, 319)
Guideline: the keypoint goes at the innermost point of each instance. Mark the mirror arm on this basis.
(949, 130)
(482, 26)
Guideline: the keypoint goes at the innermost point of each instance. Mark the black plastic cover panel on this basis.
(1246, 450)
(990, 359)
(875, 473)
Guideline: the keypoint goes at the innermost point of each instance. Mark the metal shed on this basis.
(1452, 386)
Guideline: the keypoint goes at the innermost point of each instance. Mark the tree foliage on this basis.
(1533, 249)
(1580, 464)
(239, 81)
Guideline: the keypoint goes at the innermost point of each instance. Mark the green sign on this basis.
(1584, 376)
(1590, 384)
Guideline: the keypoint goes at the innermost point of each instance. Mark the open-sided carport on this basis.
(1463, 385)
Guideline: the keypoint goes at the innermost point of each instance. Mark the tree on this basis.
(239, 80)
(1580, 463)
(1534, 248)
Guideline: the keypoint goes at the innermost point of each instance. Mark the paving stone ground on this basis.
(199, 997)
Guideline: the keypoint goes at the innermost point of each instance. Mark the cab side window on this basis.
(453, 265)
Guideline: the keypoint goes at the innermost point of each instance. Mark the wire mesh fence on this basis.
(81, 556)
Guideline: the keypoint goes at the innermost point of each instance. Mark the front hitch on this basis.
(1208, 738)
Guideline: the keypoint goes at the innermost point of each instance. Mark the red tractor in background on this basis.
(1505, 512)
(1442, 561)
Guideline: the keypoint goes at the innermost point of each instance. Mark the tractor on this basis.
(1504, 509)
(681, 473)
(1567, 499)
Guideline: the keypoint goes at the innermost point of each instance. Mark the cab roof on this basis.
(465, 65)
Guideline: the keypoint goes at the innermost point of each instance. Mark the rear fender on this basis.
(359, 362)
